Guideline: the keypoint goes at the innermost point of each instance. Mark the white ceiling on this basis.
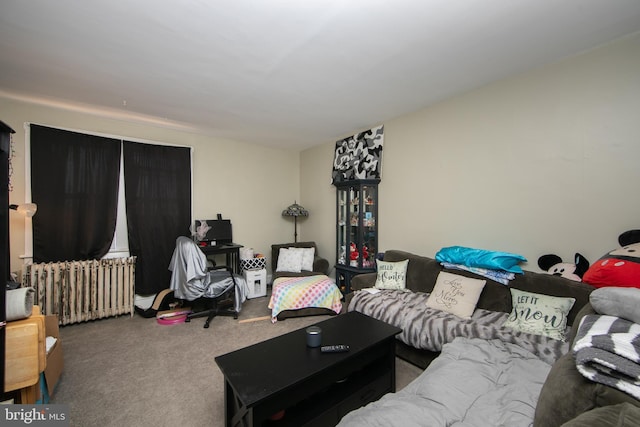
(287, 73)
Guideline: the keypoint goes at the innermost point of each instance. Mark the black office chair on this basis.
(192, 279)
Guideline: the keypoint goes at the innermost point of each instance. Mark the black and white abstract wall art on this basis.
(359, 156)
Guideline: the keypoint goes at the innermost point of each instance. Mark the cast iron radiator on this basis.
(77, 291)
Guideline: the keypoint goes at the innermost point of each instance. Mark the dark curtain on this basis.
(158, 199)
(74, 182)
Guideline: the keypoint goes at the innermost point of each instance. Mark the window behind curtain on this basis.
(158, 203)
(74, 182)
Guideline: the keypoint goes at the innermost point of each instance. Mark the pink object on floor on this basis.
(172, 320)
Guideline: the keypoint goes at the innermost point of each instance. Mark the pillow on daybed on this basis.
(391, 275)
(539, 314)
(294, 260)
(456, 294)
(307, 258)
(618, 302)
(289, 260)
(481, 258)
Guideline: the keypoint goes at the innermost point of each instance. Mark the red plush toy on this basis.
(354, 252)
(620, 267)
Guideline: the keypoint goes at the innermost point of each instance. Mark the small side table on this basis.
(345, 273)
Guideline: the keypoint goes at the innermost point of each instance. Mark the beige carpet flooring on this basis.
(131, 371)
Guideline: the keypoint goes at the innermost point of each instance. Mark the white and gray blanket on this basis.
(473, 383)
(430, 329)
(607, 351)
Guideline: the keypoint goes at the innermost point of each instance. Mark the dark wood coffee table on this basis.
(312, 388)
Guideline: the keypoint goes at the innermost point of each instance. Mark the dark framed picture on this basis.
(359, 156)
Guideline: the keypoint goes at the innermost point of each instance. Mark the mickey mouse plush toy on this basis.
(620, 267)
(553, 264)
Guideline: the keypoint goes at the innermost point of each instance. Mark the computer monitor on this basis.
(219, 232)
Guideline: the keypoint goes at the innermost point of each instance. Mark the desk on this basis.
(231, 250)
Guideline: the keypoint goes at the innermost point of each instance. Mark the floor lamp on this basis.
(28, 210)
(295, 210)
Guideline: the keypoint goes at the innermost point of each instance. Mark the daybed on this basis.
(478, 372)
(320, 264)
(299, 291)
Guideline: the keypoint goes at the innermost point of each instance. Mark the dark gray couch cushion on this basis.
(622, 415)
(566, 393)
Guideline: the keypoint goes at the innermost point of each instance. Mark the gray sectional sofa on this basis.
(421, 277)
(543, 390)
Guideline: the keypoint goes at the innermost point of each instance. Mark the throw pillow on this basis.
(289, 260)
(610, 271)
(307, 258)
(539, 314)
(481, 258)
(619, 267)
(392, 275)
(618, 302)
(456, 294)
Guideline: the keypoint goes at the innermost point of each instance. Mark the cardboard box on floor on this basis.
(54, 357)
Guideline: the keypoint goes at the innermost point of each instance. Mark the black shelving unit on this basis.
(356, 229)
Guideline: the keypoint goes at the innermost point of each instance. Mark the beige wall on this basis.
(547, 162)
(250, 184)
(318, 196)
